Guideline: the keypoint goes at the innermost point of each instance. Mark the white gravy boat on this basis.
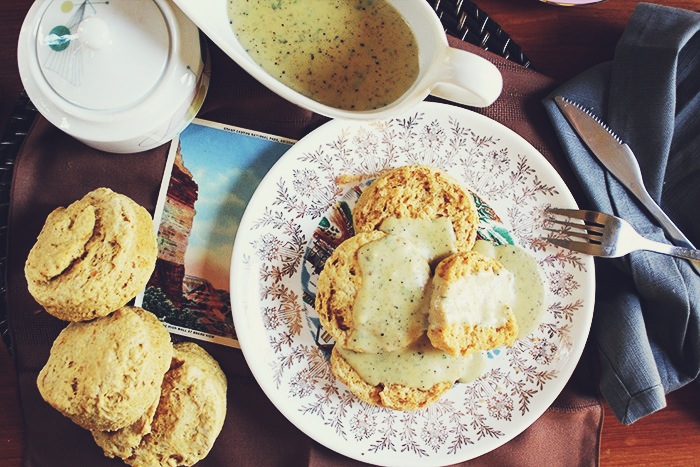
(445, 72)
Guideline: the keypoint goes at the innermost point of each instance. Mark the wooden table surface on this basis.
(560, 42)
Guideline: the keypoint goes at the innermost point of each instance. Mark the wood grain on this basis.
(670, 437)
(561, 43)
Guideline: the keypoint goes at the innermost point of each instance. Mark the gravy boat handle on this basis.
(466, 78)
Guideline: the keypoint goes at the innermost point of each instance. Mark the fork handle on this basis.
(677, 251)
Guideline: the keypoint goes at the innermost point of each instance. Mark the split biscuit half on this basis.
(470, 305)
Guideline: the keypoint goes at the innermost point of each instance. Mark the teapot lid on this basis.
(102, 55)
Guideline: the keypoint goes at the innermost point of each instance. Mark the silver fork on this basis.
(604, 235)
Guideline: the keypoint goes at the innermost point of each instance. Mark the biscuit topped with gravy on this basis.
(418, 192)
(384, 391)
(407, 299)
(372, 293)
(471, 305)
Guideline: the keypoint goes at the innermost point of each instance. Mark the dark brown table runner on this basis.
(53, 169)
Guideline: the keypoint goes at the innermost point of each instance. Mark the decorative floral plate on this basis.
(302, 210)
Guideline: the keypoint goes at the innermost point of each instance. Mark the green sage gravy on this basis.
(528, 306)
(348, 54)
(390, 310)
(434, 237)
(419, 366)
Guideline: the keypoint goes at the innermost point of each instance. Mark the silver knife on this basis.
(619, 159)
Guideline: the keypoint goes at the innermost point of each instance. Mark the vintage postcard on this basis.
(211, 174)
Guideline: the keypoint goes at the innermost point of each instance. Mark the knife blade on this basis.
(620, 161)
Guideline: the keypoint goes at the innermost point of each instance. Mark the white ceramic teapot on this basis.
(122, 76)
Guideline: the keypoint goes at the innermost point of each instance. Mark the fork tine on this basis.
(594, 229)
(593, 237)
(582, 247)
(588, 216)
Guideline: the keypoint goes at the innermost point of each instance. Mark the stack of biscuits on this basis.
(113, 369)
(409, 192)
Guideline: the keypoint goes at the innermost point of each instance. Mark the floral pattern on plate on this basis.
(301, 212)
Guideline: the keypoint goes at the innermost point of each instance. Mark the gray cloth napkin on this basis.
(646, 322)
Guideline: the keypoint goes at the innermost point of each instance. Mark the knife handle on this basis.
(626, 169)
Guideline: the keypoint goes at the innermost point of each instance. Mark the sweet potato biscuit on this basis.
(470, 305)
(123, 442)
(190, 414)
(418, 192)
(105, 373)
(391, 396)
(339, 286)
(92, 257)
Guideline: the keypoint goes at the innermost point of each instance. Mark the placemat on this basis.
(53, 169)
